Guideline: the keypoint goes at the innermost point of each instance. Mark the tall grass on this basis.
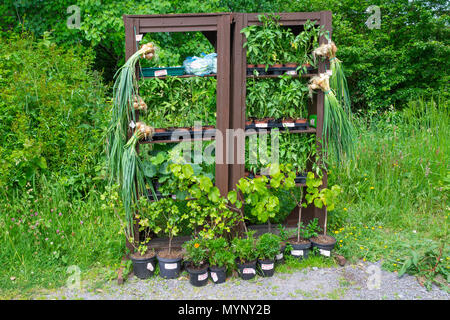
(401, 168)
(45, 231)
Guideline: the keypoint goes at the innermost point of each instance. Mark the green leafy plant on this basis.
(268, 246)
(305, 42)
(196, 252)
(245, 248)
(169, 217)
(220, 253)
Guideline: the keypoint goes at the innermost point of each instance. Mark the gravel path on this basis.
(352, 282)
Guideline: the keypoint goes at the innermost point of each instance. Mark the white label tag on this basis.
(261, 125)
(214, 276)
(150, 266)
(139, 37)
(330, 72)
(325, 252)
(170, 266)
(132, 124)
(267, 266)
(249, 271)
(297, 253)
(174, 197)
(202, 277)
(279, 256)
(159, 73)
(290, 124)
(291, 72)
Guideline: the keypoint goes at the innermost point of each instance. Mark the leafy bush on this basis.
(245, 248)
(219, 253)
(268, 246)
(52, 110)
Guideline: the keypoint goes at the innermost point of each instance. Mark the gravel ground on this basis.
(352, 282)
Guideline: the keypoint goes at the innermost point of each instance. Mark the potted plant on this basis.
(321, 197)
(245, 251)
(220, 258)
(169, 260)
(267, 246)
(144, 258)
(197, 265)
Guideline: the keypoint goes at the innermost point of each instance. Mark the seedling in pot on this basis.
(268, 246)
(197, 256)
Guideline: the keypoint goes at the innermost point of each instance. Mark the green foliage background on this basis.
(405, 58)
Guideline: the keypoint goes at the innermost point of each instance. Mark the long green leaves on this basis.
(338, 83)
(133, 182)
(125, 87)
(338, 130)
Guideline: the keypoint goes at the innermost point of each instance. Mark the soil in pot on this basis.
(169, 264)
(143, 266)
(324, 243)
(301, 120)
(198, 276)
(300, 249)
(248, 122)
(246, 270)
(208, 128)
(218, 274)
(266, 267)
(291, 65)
(159, 130)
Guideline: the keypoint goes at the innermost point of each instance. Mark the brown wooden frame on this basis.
(238, 92)
(223, 31)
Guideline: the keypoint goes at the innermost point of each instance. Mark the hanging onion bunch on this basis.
(139, 104)
(144, 130)
(125, 93)
(338, 82)
(338, 131)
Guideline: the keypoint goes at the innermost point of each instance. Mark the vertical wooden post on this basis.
(223, 100)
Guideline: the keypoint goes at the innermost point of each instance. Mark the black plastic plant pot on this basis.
(218, 274)
(246, 270)
(280, 256)
(300, 251)
(143, 268)
(198, 277)
(169, 268)
(266, 267)
(324, 249)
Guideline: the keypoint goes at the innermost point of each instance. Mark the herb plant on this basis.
(245, 248)
(196, 252)
(219, 253)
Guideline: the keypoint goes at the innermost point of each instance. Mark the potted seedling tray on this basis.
(278, 124)
(157, 136)
(162, 71)
(279, 70)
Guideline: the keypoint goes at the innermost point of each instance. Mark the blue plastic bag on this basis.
(201, 66)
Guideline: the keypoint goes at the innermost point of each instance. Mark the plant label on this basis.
(330, 72)
(214, 276)
(297, 253)
(290, 124)
(325, 253)
(267, 266)
(170, 266)
(249, 271)
(291, 72)
(261, 125)
(139, 37)
(132, 124)
(279, 256)
(159, 73)
(150, 266)
(202, 277)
